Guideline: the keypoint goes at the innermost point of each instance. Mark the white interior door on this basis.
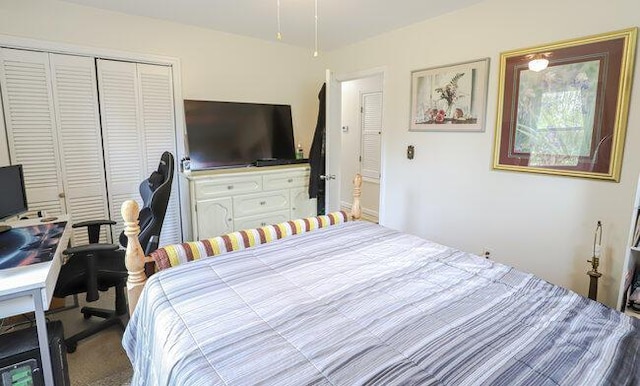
(75, 98)
(122, 136)
(25, 83)
(371, 136)
(333, 143)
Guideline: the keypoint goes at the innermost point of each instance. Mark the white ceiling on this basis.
(341, 22)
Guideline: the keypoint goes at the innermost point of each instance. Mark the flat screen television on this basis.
(230, 134)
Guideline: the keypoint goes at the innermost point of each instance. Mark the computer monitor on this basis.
(12, 191)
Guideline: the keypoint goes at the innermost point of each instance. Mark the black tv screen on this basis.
(12, 191)
(227, 134)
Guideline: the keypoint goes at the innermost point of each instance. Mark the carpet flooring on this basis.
(99, 360)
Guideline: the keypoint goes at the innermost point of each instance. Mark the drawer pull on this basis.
(263, 203)
(290, 180)
(263, 224)
(230, 187)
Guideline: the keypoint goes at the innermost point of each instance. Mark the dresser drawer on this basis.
(251, 204)
(227, 186)
(261, 220)
(301, 205)
(213, 218)
(286, 180)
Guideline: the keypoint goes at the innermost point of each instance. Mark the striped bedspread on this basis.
(358, 303)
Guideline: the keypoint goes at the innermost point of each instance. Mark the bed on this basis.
(358, 303)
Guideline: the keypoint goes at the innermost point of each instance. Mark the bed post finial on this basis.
(356, 211)
(134, 257)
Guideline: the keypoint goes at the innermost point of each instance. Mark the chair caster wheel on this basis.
(71, 347)
(86, 315)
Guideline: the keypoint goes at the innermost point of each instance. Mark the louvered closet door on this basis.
(122, 137)
(156, 108)
(371, 135)
(75, 97)
(25, 82)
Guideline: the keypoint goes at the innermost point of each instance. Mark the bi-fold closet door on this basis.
(53, 129)
(136, 105)
(60, 130)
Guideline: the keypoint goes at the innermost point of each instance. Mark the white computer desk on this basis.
(30, 288)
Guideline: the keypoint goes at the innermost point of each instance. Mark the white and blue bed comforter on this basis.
(358, 303)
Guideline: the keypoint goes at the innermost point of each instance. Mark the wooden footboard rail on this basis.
(134, 256)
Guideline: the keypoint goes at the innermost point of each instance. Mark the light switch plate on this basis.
(410, 152)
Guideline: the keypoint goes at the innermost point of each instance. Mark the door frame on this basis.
(354, 75)
(48, 46)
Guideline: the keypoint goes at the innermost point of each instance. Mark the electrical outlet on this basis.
(486, 253)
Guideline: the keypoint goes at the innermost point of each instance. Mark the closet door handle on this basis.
(62, 195)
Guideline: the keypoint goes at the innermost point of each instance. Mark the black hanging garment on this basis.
(317, 154)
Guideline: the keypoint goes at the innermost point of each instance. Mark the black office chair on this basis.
(97, 267)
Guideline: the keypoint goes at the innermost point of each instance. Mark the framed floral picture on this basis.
(450, 98)
(562, 107)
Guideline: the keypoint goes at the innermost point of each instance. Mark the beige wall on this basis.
(448, 193)
(351, 144)
(215, 65)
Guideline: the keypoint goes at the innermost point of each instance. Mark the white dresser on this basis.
(228, 200)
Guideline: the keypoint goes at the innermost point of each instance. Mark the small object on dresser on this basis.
(185, 164)
(299, 152)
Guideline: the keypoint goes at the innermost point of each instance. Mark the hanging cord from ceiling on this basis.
(315, 52)
(279, 34)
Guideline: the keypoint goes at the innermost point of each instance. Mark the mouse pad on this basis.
(29, 245)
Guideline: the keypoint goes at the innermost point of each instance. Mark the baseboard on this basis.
(367, 214)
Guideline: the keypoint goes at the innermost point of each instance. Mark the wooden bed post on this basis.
(134, 257)
(356, 211)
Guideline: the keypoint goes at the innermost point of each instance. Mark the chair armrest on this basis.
(92, 223)
(93, 228)
(89, 248)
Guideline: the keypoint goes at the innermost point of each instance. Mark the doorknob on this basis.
(327, 177)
